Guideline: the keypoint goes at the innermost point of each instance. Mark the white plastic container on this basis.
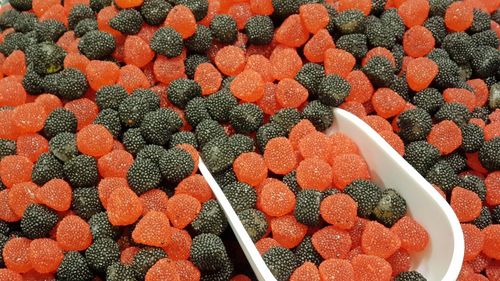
(442, 259)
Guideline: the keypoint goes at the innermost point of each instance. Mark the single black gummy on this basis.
(37, 221)
(8, 18)
(127, 21)
(86, 202)
(320, 115)
(74, 267)
(307, 207)
(400, 86)
(220, 104)
(260, 30)
(242, 196)
(333, 90)
(218, 154)
(415, 124)
(484, 60)
(210, 219)
(378, 33)
(484, 220)
(155, 12)
(183, 137)
(366, 194)
(46, 58)
(72, 84)
(208, 252)
(101, 227)
(102, 253)
(246, 118)
(79, 13)
(21, 5)
(486, 38)
(166, 41)
(32, 81)
(208, 130)
(176, 164)
(198, 7)
(196, 111)
(133, 140)
(481, 21)
(267, 132)
(472, 138)
(84, 26)
(455, 112)
(97, 44)
(46, 168)
(255, 223)
(157, 126)
(241, 144)
(143, 175)
(390, 208)
(429, 99)
(14, 41)
(283, 9)
(63, 146)
(310, 76)
(182, 90)
(199, 42)
(448, 73)
(110, 97)
(394, 22)
(224, 29)
(379, 70)
(458, 45)
(281, 262)
(81, 171)
(50, 83)
(152, 99)
(145, 259)
(349, 21)
(286, 118)
(7, 147)
(421, 155)
(442, 175)
(356, 44)
(110, 119)
(489, 154)
(25, 22)
(305, 252)
(457, 161)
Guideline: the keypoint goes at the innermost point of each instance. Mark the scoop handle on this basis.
(259, 267)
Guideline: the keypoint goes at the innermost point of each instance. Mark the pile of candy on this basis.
(106, 107)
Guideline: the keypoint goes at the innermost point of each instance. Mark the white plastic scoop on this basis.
(442, 259)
